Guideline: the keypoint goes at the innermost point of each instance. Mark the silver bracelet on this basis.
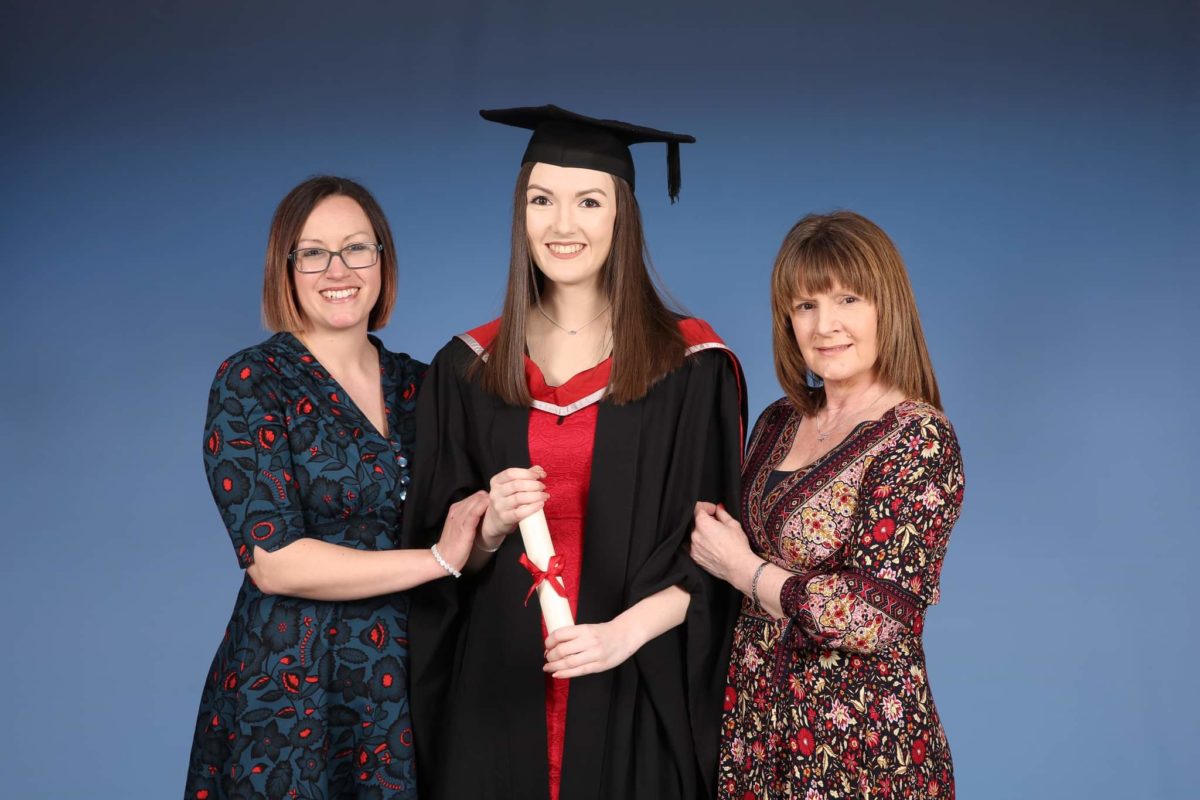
(443, 563)
(754, 584)
(483, 549)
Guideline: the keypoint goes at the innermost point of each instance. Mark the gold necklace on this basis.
(568, 331)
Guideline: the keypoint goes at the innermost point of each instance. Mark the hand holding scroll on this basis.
(514, 494)
(586, 649)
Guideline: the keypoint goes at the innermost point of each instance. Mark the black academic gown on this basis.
(648, 728)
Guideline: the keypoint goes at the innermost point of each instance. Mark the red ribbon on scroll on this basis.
(552, 575)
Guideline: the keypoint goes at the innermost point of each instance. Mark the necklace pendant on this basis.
(822, 437)
(572, 333)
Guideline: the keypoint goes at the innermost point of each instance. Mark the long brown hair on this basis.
(280, 309)
(847, 249)
(647, 343)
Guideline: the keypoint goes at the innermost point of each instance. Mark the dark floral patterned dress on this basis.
(306, 699)
(834, 701)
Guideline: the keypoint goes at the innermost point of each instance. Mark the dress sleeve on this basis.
(247, 458)
(909, 500)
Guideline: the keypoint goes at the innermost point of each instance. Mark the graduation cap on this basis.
(567, 139)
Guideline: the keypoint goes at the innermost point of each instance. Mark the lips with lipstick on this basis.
(834, 350)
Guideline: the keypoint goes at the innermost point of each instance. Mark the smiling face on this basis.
(837, 333)
(339, 298)
(569, 217)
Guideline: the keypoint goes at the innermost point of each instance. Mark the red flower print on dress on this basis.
(846, 662)
(292, 682)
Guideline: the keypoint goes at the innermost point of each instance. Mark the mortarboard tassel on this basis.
(673, 170)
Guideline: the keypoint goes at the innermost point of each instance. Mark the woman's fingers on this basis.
(524, 512)
(522, 499)
(458, 531)
(519, 485)
(562, 635)
(703, 541)
(470, 506)
(566, 650)
(515, 513)
(477, 506)
(566, 641)
(585, 649)
(706, 526)
(516, 493)
(558, 662)
(514, 473)
(535, 474)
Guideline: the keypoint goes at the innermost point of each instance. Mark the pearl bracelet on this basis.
(443, 563)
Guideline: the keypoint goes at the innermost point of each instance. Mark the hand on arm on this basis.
(720, 547)
(322, 571)
(584, 649)
(514, 494)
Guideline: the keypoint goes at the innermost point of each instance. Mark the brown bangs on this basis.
(823, 251)
(822, 263)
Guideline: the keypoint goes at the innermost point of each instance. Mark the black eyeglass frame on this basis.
(331, 253)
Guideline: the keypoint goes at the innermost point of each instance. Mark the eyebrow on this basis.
(348, 238)
(534, 186)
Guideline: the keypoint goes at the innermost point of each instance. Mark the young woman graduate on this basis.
(590, 400)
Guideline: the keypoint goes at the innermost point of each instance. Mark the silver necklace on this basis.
(823, 435)
(568, 331)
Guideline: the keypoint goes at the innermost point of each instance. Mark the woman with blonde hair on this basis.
(851, 485)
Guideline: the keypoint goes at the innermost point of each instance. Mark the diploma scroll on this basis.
(556, 609)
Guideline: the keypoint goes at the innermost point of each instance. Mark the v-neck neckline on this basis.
(579, 385)
(342, 397)
(801, 474)
(849, 437)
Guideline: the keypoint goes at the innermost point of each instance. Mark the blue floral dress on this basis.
(306, 699)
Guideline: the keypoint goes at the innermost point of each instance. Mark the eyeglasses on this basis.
(359, 255)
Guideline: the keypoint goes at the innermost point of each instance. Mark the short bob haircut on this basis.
(848, 250)
(280, 309)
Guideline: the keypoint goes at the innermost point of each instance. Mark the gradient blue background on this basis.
(1035, 162)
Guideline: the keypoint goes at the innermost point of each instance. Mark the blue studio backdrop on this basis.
(1035, 162)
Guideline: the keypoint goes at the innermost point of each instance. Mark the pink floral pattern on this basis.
(833, 701)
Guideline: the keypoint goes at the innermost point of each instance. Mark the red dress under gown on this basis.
(561, 438)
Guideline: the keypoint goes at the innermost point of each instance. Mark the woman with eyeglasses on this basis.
(307, 448)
